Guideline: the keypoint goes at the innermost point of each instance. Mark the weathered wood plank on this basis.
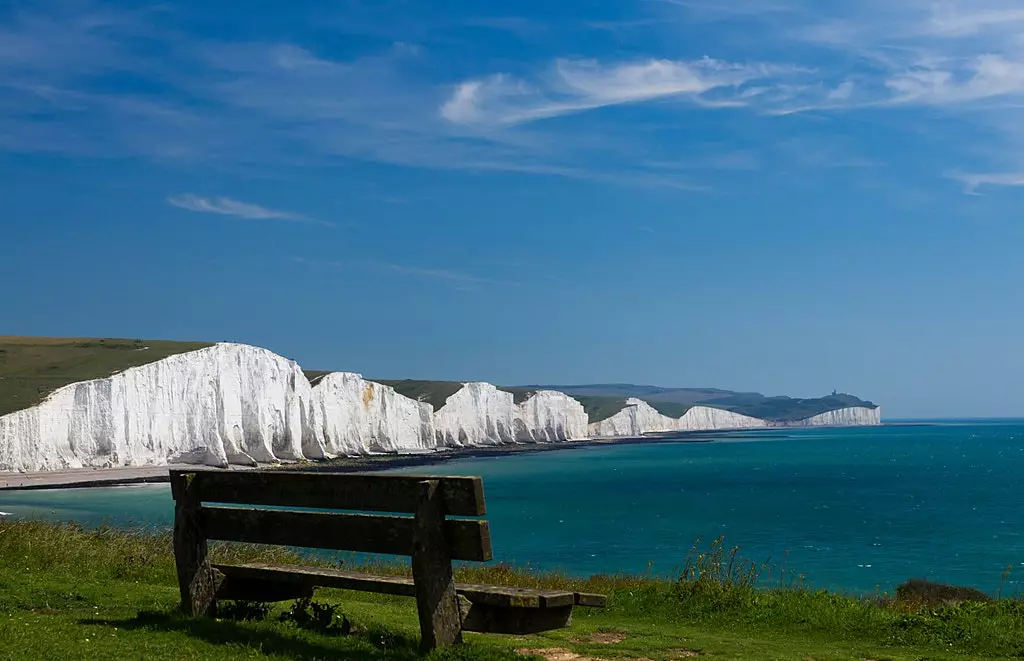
(197, 582)
(433, 579)
(498, 595)
(590, 599)
(464, 540)
(463, 496)
(485, 618)
(323, 577)
(343, 579)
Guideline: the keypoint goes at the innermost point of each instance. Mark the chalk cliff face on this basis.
(478, 414)
(705, 417)
(855, 416)
(548, 416)
(636, 418)
(239, 404)
(228, 403)
(357, 416)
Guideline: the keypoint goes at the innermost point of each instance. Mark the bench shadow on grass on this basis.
(366, 645)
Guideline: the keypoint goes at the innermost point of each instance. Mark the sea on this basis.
(858, 510)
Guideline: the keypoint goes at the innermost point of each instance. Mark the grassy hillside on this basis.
(600, 408)
(33, 367)
(68, 593)
(434, 392)
(787, 408)
(671, 409)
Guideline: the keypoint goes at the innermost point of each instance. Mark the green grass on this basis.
(68, 593)
(33, 367)
(671, 409)
(600, 408)
(434, 392)
(785, 409)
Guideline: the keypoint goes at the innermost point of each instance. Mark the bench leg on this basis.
(436, 601)
(197, 582)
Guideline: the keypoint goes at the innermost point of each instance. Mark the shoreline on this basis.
(95, 477)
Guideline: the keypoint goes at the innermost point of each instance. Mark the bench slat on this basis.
(491, 595)
(463, 496)
(366, 533)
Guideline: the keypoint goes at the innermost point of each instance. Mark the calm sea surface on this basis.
(856, 509)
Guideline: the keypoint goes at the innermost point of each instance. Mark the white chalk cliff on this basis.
(705, 417)
(239, 404)
(854, 416)
(229, 403)
(638, 418)
(548, 416)
(356, 416)
(482, 414)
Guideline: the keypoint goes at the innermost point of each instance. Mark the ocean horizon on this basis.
(857, 509)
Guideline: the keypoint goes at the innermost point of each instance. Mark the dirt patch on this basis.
(557, 654)
(563, 654)
(606, 637)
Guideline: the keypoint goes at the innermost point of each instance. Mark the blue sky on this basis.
(786, 196)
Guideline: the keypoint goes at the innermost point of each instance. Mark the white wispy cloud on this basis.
(455, 277)
(953, 20)
(983, 77)
(463, 280)
(974, 181)
(225, 206)
(572, 86)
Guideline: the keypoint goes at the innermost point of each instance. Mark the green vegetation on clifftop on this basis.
(33, 367)
(788, 408)
(434, 392)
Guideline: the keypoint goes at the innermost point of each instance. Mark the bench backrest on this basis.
(465, 539)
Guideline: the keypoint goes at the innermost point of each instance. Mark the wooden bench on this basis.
(429, 537)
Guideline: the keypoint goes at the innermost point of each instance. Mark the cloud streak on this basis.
(225, 206)
(460, 280)
(573, 86)
(974, 181)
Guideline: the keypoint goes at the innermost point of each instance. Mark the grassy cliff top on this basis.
(788, 408)
(436, 393)
(33, 367)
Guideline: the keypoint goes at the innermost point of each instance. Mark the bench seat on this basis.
(486, 608)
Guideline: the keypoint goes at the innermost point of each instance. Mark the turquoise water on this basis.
(856, 509)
